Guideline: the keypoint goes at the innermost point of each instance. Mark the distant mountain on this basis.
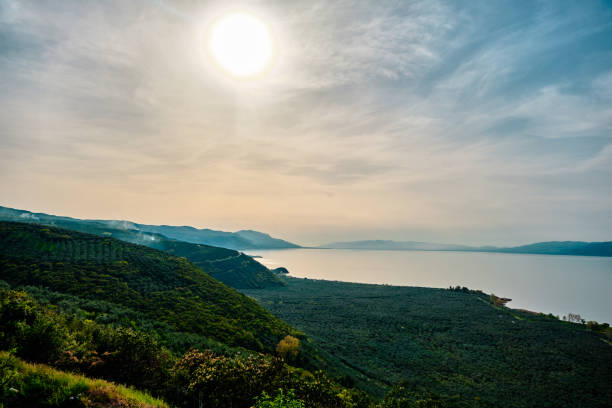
(245, 239)
(543, 248)
(559, 248)
(233, 240)
(394, 246)
(231, 267)
(262, 240)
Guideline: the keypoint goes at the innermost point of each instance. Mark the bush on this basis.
(282, 400)
(35, 333)
(34, 385)
(288, 348)
(217, 380)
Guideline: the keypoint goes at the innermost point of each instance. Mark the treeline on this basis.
(50, 245)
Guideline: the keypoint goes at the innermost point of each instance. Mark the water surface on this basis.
(543, 283)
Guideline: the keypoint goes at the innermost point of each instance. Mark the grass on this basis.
(28, 385)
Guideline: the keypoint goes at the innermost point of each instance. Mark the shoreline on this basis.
(451, 288)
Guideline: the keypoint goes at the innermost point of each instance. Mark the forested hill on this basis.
(165, 287)
(229, 266)
(245, 239)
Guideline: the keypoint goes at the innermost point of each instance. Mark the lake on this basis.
(542, 283)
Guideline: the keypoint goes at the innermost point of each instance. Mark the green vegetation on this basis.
(447, 347)
(39, 333)
(164, 287)
(603, 328)
(126, 313)
(245, 239)
(30, 385)
(42, 333)
(281, 400)
(103, 308)
(229, 266)
(288, 348)
(107, 313)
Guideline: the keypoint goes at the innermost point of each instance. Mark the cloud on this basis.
(435, 118)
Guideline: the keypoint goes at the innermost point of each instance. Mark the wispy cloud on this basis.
(480, 121)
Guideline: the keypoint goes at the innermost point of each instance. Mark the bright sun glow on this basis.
(241, 44)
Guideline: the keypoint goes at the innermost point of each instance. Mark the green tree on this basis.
(281, 400)
(216, 380)
(288, 348)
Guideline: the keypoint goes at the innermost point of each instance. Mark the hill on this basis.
(560, 248)
(542, 248)
(262, 240)
(388, 245)
(245, 239)
(233, 240)
(231, 267)
(30, 385)
(130, 314)
(163, 286)
(76, 336)
(448, 342)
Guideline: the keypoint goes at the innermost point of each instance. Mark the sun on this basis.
(241, 44)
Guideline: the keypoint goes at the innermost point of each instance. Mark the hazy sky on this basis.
(479, 122)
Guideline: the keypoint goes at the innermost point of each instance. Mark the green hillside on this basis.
(88, 338)
(165, 287)
(229, 266)
(150, 319)
(449, 342)
(31, 385)
(245, 239)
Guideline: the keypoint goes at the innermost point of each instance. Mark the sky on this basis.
(480, 122)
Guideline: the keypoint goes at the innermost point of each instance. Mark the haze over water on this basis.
(541, 283)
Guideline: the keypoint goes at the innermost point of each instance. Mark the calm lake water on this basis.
(542, 283)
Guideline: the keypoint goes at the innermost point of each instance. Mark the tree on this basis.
(215, 380)
(282, 400)
(288, 348)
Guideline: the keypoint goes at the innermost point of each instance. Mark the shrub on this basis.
(288, 348)
(282, 400)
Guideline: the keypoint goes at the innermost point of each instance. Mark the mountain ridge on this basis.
(243, 239)
(231, 267)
